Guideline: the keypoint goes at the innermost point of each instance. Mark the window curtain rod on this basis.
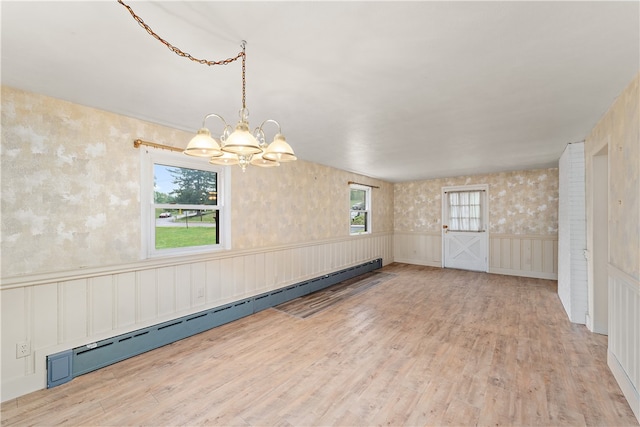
(359, 183)
(138, 142)
(464, 191)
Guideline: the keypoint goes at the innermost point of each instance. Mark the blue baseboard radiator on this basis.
(64, 366)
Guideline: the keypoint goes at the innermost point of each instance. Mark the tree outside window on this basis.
(187, 212)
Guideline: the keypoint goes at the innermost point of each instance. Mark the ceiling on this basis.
(393, 90)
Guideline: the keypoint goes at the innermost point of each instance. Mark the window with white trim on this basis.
(359, 209)
(465, 210)
(185, 204)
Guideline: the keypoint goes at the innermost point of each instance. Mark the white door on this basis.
(464, 227)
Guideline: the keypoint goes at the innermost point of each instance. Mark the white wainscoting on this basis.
(524, 255)
(418, 248)
(511, 254)
(624, 334)
(60, 311)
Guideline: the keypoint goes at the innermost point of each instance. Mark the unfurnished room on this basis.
(315, 213)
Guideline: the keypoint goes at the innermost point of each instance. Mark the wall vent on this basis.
(66, 365)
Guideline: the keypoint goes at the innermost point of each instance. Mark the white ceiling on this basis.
(393, 90)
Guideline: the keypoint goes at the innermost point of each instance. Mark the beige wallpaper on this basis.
(300, 202)
(70, 190)
(522, 202)
(620, 129)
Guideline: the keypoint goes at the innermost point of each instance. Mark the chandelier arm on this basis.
(179, 52)
(214, 115)
(270, 121)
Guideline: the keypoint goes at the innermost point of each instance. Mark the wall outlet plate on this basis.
(23, 349)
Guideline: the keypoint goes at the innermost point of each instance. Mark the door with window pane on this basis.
(464, 228)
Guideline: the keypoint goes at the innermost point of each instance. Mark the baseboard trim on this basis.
(504, 271)
(418, 262)
(63, 366)
(630, 393)
(524, 273)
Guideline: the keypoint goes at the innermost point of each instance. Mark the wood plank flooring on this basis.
(426, 347)
(316, 302)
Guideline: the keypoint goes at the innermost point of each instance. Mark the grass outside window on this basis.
(182, 237)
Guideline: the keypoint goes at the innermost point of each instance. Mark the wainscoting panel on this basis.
(198, 274)
(146, 296)
(60, 311)
(125, 301)
(167, 292)
(183, 287)
(515, 255)
(101, 302)
(418, 248)
(524, 255)
(44, 314)
(624, 334)
(72, 298)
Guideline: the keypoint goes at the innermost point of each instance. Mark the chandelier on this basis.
(234, 146)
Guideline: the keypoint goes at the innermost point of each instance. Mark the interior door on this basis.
(464, 230)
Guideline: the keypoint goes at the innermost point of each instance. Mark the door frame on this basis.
(485, 215)
(598, 308)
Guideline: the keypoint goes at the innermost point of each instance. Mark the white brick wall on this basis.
(572, 264)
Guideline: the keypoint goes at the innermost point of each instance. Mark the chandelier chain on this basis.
(180, 52)
(244, 83)
(243, 150)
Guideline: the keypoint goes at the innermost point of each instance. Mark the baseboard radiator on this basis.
(66, 365)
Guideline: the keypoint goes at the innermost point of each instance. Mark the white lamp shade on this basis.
(203, 145)
(258, 160)
(225, 159)
(241, 141)
(279, 150)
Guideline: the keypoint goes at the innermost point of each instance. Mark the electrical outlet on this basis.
(201, 293)
(23, 349)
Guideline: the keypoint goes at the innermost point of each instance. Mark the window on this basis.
(465, 210)
(185, 207)
(360, 209)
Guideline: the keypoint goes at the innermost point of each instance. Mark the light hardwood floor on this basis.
(425, 347)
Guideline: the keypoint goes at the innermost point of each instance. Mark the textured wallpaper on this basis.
(300, 202)
(620, 129)
(70, 184)
(70, 190)
(522, 202)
